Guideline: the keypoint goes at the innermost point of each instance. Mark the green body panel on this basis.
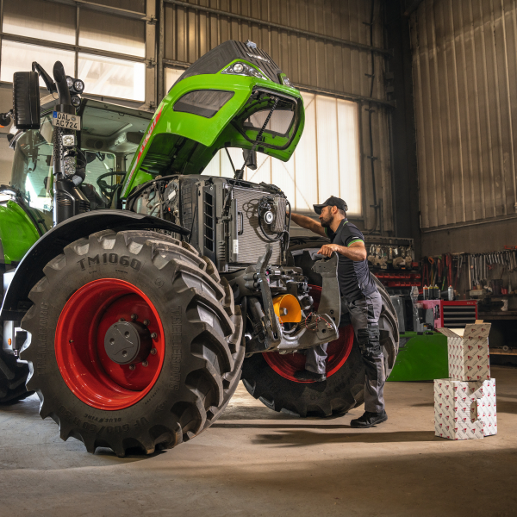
(157, 150)
(424, 357)
(17, 232)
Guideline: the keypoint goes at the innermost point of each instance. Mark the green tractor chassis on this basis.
(159, 287)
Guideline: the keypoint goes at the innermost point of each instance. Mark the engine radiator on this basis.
(252, 243)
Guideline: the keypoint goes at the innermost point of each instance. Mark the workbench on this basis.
(497, 315)
(503, 333)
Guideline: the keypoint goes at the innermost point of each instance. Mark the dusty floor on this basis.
(257, 462)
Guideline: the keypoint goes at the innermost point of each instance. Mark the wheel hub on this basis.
(127, 342)
(105, 375)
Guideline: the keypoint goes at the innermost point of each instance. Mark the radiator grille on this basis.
(209, 222)
(252, 243)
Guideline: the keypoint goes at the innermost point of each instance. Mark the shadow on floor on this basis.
(254, 413)
(506, 406)
(423, 404)
(264, 413)
(304, 438)
(279, 426)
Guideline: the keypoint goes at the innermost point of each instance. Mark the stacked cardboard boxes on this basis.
(465, 403)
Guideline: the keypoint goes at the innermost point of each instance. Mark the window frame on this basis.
(79, 49)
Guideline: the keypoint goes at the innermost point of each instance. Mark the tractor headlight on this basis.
(68, 140)
(69, 82)
(78, 86)
(76, 101)
(246, 70)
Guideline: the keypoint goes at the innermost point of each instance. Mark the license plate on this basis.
(66, 120)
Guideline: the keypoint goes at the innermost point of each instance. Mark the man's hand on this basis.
(328, 249)
(355, 251)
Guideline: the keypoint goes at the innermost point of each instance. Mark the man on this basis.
(359, 290)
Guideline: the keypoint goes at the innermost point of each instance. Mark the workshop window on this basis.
(107, 53)
(326, 161)
(112, 77)
(171, 75)
(18, 57)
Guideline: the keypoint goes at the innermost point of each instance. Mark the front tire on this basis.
(184, 375)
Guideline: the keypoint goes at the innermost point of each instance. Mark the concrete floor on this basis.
(257, 462)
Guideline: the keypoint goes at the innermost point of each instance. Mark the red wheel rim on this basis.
(338, 351)
(79, 344)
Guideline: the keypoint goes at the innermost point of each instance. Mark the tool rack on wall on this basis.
(392, 261)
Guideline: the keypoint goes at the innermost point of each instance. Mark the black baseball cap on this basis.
(331, 201)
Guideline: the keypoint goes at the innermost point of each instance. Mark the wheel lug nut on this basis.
(122, 319)
(134, 317)
(132, 367)
(154, 351)
(146, 322)
(70, 341)
(145, 363)
(153, 335)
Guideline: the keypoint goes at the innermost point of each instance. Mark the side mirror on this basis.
(26, 100)
(250, 159)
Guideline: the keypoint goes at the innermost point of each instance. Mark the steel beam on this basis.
(151, 93)
(160, 89)
(86, 4)
(70, 47)
(346, 96)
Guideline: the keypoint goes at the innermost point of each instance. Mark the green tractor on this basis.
(139, 291)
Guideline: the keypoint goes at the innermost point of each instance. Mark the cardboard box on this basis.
(486, 408)
(469, 356)
(464, 410)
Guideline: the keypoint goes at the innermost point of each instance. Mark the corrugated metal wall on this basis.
(315, 64)
(465, 84)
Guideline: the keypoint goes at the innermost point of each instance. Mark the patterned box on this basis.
(486, 408)
(464, 410)
(469, 357)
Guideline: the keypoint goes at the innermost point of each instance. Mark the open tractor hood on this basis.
(233, 96)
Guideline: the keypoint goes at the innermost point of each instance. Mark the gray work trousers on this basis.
(364, 314)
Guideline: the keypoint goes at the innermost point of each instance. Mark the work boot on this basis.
(369, 419)
(306, 375)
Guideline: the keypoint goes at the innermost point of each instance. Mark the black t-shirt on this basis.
(355, 280)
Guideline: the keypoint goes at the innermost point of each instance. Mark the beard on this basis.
(326, 221)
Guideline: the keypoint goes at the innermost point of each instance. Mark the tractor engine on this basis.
(230, 221)
(244, 229)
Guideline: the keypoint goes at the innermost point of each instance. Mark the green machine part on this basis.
(421, 357)
(212, 107)
(17, 232)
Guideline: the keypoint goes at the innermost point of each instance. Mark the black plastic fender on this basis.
(30, 269)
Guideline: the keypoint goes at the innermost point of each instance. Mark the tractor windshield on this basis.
(108, 140)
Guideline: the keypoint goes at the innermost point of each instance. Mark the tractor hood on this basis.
(233, 96)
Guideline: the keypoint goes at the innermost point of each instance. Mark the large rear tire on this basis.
(190, 349)
(342, 391)
(13, 375)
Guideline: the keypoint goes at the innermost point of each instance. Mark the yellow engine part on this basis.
(287, 308)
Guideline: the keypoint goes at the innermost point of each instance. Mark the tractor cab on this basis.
(108, 140)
